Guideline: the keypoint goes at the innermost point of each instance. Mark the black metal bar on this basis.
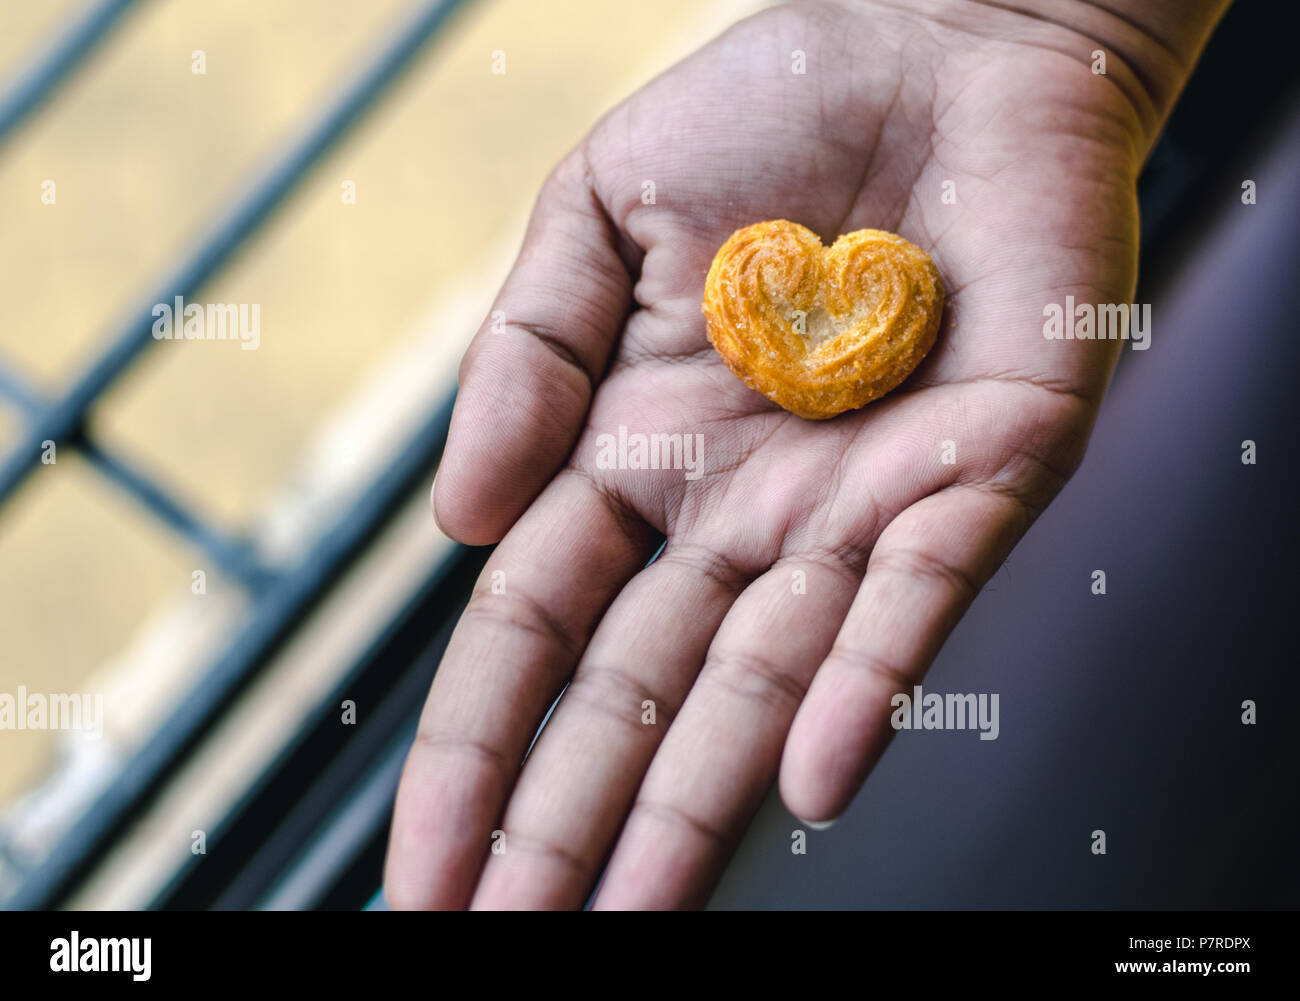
(65, 417)
(354, 886)
(356, 882)
(36, 85)
(331, 784)
(328, 868)
(231, 556)
(277, 612)
(284, 806)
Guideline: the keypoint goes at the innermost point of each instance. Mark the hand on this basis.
(602, 327)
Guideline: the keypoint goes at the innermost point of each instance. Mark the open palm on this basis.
(815, 568)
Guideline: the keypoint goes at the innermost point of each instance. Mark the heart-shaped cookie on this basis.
(821, 330)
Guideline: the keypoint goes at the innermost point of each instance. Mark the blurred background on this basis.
(230, 544)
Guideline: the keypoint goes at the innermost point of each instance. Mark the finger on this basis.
(527, 380)
(585, 768)
(515, 645)
(723, 750)
(581, 778)
(927, 567)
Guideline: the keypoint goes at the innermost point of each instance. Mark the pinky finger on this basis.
(925, 570)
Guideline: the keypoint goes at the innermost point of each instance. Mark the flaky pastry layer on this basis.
(821, 330)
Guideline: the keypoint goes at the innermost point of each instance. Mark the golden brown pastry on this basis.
(821, 330)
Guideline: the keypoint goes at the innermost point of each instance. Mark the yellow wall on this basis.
(144, 152)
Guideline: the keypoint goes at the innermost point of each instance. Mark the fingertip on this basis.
(463, 518)
(815, 805)
(819, 775)
(805, 798)
(467, 532)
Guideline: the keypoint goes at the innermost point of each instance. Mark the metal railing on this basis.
(283, 595)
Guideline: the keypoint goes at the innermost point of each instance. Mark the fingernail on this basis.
(818, 825)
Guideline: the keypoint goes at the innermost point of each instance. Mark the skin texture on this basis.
(751, 682)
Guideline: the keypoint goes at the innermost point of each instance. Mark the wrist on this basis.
(1148, 48)
(1158, 41)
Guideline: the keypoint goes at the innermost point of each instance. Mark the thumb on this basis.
(527, 380)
